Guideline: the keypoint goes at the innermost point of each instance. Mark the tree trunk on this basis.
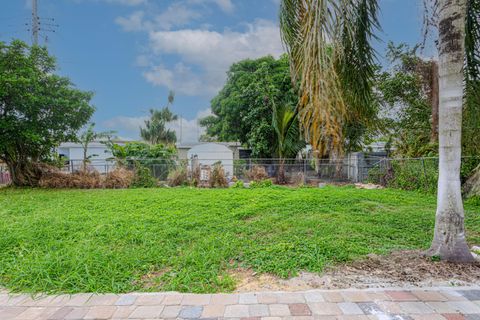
(281, 178)
(435, 101)
(23, 173)
(449, 242)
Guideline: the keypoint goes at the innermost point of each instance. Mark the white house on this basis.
(97, 152)
(209, 153)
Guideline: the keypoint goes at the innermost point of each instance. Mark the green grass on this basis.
(108, 240)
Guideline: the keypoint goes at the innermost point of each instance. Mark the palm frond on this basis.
(332, 63)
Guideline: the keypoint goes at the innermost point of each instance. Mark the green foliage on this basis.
(471, 111)
(266, 183)
(403, 92)
(243, 109)
(88, 136)
(142, 177)
(158, 158)
(239, 184)
(109, 240)
(155, 130)
(332, 61)
(410, 174)
(38, 109)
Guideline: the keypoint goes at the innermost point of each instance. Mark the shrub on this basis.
(261, 184)
(195, 176)
(178, 177)
(79, 180)
(119, 178)
(413, 174)
(217, 176)
(238, 184)
(257, 173)
(142, 177)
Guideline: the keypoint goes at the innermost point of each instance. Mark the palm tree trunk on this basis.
(449, 241)
(434, 101)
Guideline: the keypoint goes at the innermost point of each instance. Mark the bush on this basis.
(413, 174)
(267, 183)
(217, 176)
(78, 180)
(119, 178)
(195, 176)
(178, 177)
(257, 173)
(142, 177)
(238, 184)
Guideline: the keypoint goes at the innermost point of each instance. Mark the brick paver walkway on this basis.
(371, 304)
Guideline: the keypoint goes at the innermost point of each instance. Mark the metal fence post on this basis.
(425, 174)
(304, 171)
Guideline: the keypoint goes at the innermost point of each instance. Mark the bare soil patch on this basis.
(398, 269)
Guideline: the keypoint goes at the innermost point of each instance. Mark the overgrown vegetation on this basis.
(84, 179)
(38, 110)
(109, 240)
(243, 109)
(218, 179)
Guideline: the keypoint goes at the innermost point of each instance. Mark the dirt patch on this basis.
(152, 279)
(398, 269)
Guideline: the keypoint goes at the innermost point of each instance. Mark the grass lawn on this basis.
(189, 239)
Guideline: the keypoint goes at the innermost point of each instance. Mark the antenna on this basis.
(40, 24)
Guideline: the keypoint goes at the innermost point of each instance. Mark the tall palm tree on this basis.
(331, 56)
(449, 240)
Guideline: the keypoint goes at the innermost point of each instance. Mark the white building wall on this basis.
(209, 153)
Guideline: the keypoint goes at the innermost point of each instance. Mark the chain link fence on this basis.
(404, 173)
(4, 175)
(295, 170)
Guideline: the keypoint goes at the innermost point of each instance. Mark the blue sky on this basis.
(131, 52)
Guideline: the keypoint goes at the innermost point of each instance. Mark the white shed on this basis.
(209, 153)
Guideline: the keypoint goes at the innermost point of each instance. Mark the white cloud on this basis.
(176, 15)
(211, 52)
(121, 2)
(187, 130)
(224, 5)
(133, 22)
(127, 2)
(129, 124)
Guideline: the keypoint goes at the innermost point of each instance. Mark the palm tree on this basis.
(155, 130)
(328, 42)
(288, 142)
(88, 136)
(449, 240)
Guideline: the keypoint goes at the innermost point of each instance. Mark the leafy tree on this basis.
(88, 136)
(38, 109)
(243, 109)
(330, 84)
(155, 130)
(406, 96)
